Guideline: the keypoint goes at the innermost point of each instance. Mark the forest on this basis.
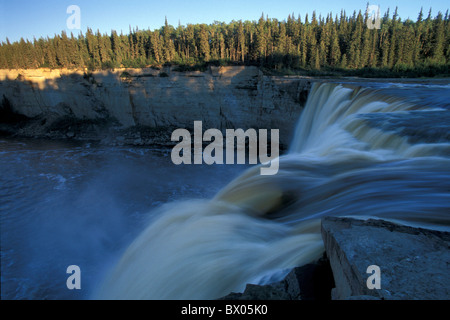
(314, 44)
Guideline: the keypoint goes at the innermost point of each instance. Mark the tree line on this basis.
(312, 43)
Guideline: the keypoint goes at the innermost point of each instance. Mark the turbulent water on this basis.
(65, 204)
(372, 151)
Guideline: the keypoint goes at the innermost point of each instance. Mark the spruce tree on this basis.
(319, 41)
(438, 39)
(242, 50)
(335, 51)
(261, 40)
(93, 48)
(168, 45)
(203, 40)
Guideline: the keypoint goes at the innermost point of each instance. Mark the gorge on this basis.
(140, 227)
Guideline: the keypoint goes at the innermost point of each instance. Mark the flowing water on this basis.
(81, 204)
(141, 228)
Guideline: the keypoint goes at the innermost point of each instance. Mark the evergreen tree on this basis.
(61, 43)
(156, 46)
(222, 47)
(93, 49)
(241, 42)
(39, 52)
(168, 45)
(50, 54)
(203, 40)
(335, 51)
(321, 41)
(116, 47)
(261, 40)
(438, 39)
(384, 45)
(3, 61)
(418, 34)
(354, 51)
(366, 47)
(191, 47)
(313, 52)
(447, 33)
(303, 47)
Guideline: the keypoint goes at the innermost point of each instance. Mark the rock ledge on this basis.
(413, 262)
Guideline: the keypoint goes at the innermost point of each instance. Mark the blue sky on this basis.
(29, 18)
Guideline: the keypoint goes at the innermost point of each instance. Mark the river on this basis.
(140, 227)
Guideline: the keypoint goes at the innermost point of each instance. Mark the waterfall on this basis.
(257, 227)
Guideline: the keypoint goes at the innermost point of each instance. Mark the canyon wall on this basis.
(77, 104)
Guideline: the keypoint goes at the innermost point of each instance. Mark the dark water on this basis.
(127, 218)
(67, 204)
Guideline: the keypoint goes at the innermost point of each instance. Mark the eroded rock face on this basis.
(413, 262)
(312, 281)
(222, 97)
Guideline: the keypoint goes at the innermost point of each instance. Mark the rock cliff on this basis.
(83, 105)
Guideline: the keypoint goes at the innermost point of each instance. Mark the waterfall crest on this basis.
(257, 226)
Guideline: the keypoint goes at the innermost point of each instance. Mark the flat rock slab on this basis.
(414, 263)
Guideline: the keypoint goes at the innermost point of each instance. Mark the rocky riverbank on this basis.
(413, 265)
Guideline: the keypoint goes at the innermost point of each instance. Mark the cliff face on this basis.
(221, 97)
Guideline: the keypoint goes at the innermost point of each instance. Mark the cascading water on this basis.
(258, 227)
